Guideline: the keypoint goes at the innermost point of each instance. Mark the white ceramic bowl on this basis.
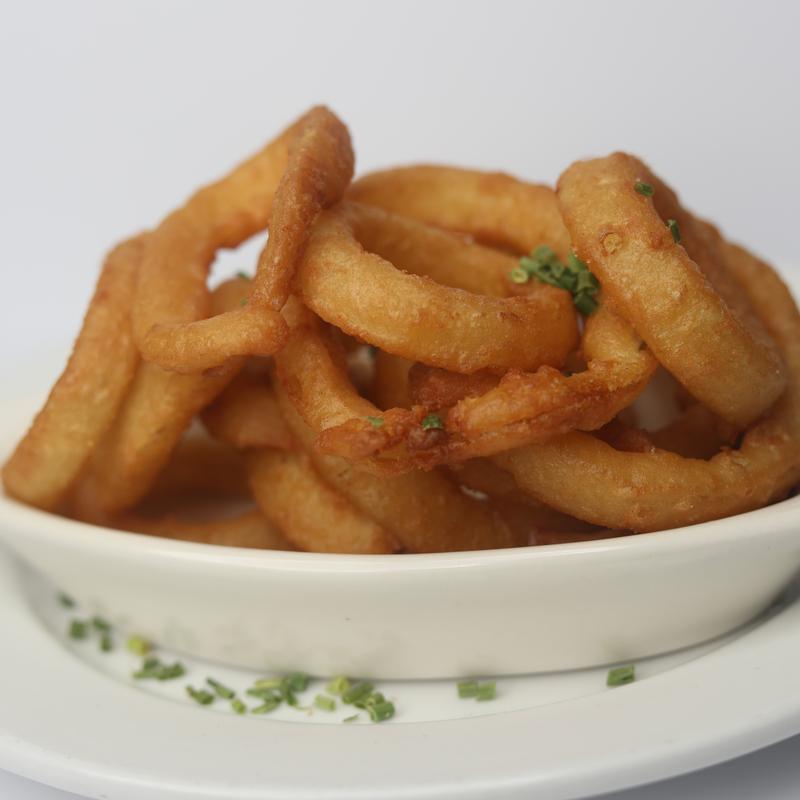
(415, 616)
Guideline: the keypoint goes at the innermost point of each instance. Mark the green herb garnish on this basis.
(574, 276)
(65, 600)
(106, 643)
(268, 683)
(480, 691)
(644, 188)
(674, 230)
(154, 668)
(200, 695)
(432, 422)
(379, 712)
(138, 645)
(357, 692)
(238, 706)
(99, 624)
(372, 699)
(243, 275)
(264, 693)
(351, 719)
(267, 706)
(487, 691)
(296, 681)
(376, 422)
(519, 275)
(619, 676)
(78, 629)
(324, 702)
(222, 691)
(338, 685)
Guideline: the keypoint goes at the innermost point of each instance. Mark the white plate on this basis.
(72, 717)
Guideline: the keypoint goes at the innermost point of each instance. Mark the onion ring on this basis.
(305, 168)
(652, 281)
(310, 512)
(247, 415)
(319, 170)
(84, 401)
(523, 407)
(200, 464)
(427, 321)
(495, 208)
(389, 387)
(424, 510)
(158, 408)
(655, 491)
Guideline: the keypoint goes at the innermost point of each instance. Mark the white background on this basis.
(113, 112)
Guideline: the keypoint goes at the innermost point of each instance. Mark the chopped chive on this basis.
(296, 681)
(267, 706)
(243, 275)
(153, 668)
(544, 253)
(357, 692)
(168, 672)
(222, 691)
(138, 645)
(238, 706)
(351, 719)
(325, 703)
(467, 689)
(200, 695)
(149, 665)
(243, 301)
(574, 276)
(99, 624)
(432, 422)
(376, 422)
(372, 699)
(106, 643)
(585, 303)
(288, 695)
(338, 685)
(78, 629)
(674, 230)
(65, 600)
(268, 683)
(379, 712)
(264, 694)
(644, 188)
(519, 275)
(619, 676)
(487, 691)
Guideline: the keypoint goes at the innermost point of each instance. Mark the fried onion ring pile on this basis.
(427, 359)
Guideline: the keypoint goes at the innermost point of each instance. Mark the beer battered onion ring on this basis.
(580, 474)
(85, 399)
(524, 408)
(290, 492)
(651, 280)
(310, 512)
(424, 510)
(495, 208)
(306, 168)
(157, 409)
(424, 320)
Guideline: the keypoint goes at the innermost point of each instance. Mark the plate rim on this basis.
(590, 773)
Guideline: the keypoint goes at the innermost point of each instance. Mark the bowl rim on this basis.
(17, 518)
